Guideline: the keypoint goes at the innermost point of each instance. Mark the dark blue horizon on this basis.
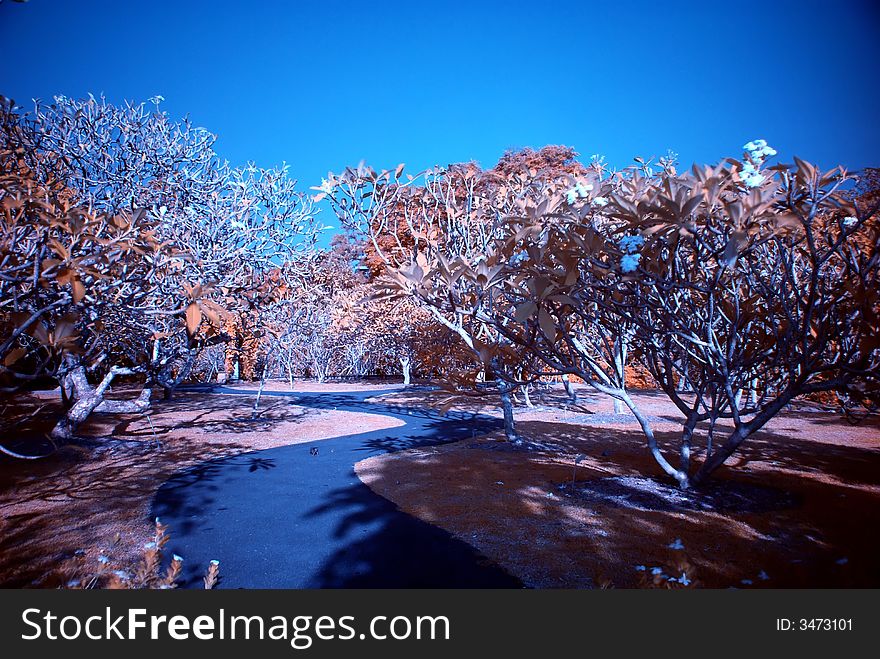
(323, 85)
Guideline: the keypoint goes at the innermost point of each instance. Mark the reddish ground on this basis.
(92, 498)
(810, 483)
(805, 510)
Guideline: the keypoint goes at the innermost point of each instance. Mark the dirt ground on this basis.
(586, 506)
(583, 506)
(91, 499)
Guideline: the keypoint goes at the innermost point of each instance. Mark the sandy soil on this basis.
(92, 498)
(798, 507)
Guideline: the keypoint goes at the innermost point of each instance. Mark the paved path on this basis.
(283, 518)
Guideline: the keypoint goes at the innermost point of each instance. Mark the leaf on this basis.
(78, 290)
(65, 328)
(548, 326)
(58, 248)
(525, 311)
(731, 249)
(40, 332)
(193, 318)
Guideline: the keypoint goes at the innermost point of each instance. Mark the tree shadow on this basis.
(803, 512)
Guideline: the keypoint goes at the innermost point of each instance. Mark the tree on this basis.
(431, 234)
(761, 279)
(68, 277)
(720, 281)
(227, 227)
(731, 278)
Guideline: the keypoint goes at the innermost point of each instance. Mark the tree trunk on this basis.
(255, 411)
(619, 406)
(569, 389)
(681, 477)
(526, 389)
(169, 384)
(719, 457)
(90, 399)
(740, 434)
(507, 409)
(405, 364)
(684, 383)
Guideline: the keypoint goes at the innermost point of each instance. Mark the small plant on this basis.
(148, 574)
(212, 576)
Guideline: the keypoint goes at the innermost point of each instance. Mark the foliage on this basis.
(128, 244)
(722, 281)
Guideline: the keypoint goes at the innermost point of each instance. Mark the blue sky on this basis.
(321, 85)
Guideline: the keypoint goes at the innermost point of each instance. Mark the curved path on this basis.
(284, 518)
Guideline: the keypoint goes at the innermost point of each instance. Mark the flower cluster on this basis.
(756, 151)
(759, 149)
(630, 246)
(579, 190)
(326, 186)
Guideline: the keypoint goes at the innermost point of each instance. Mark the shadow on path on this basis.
(285, 518)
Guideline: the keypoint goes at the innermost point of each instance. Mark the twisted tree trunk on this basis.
(88, 399)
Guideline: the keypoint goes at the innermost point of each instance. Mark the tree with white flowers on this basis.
(227, 226)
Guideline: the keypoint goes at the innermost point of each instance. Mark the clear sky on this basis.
(321, 85)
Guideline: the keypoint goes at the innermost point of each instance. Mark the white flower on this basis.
(177, 558)
(103, 560)
(600, 201)
(676, 544)
(763, 576)
(326, 186)
(850, 221)
(753, 180)
(640, 568)
(630, 262)
(683, 579)
(758, 150)
(215, 562)
(579, 190)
